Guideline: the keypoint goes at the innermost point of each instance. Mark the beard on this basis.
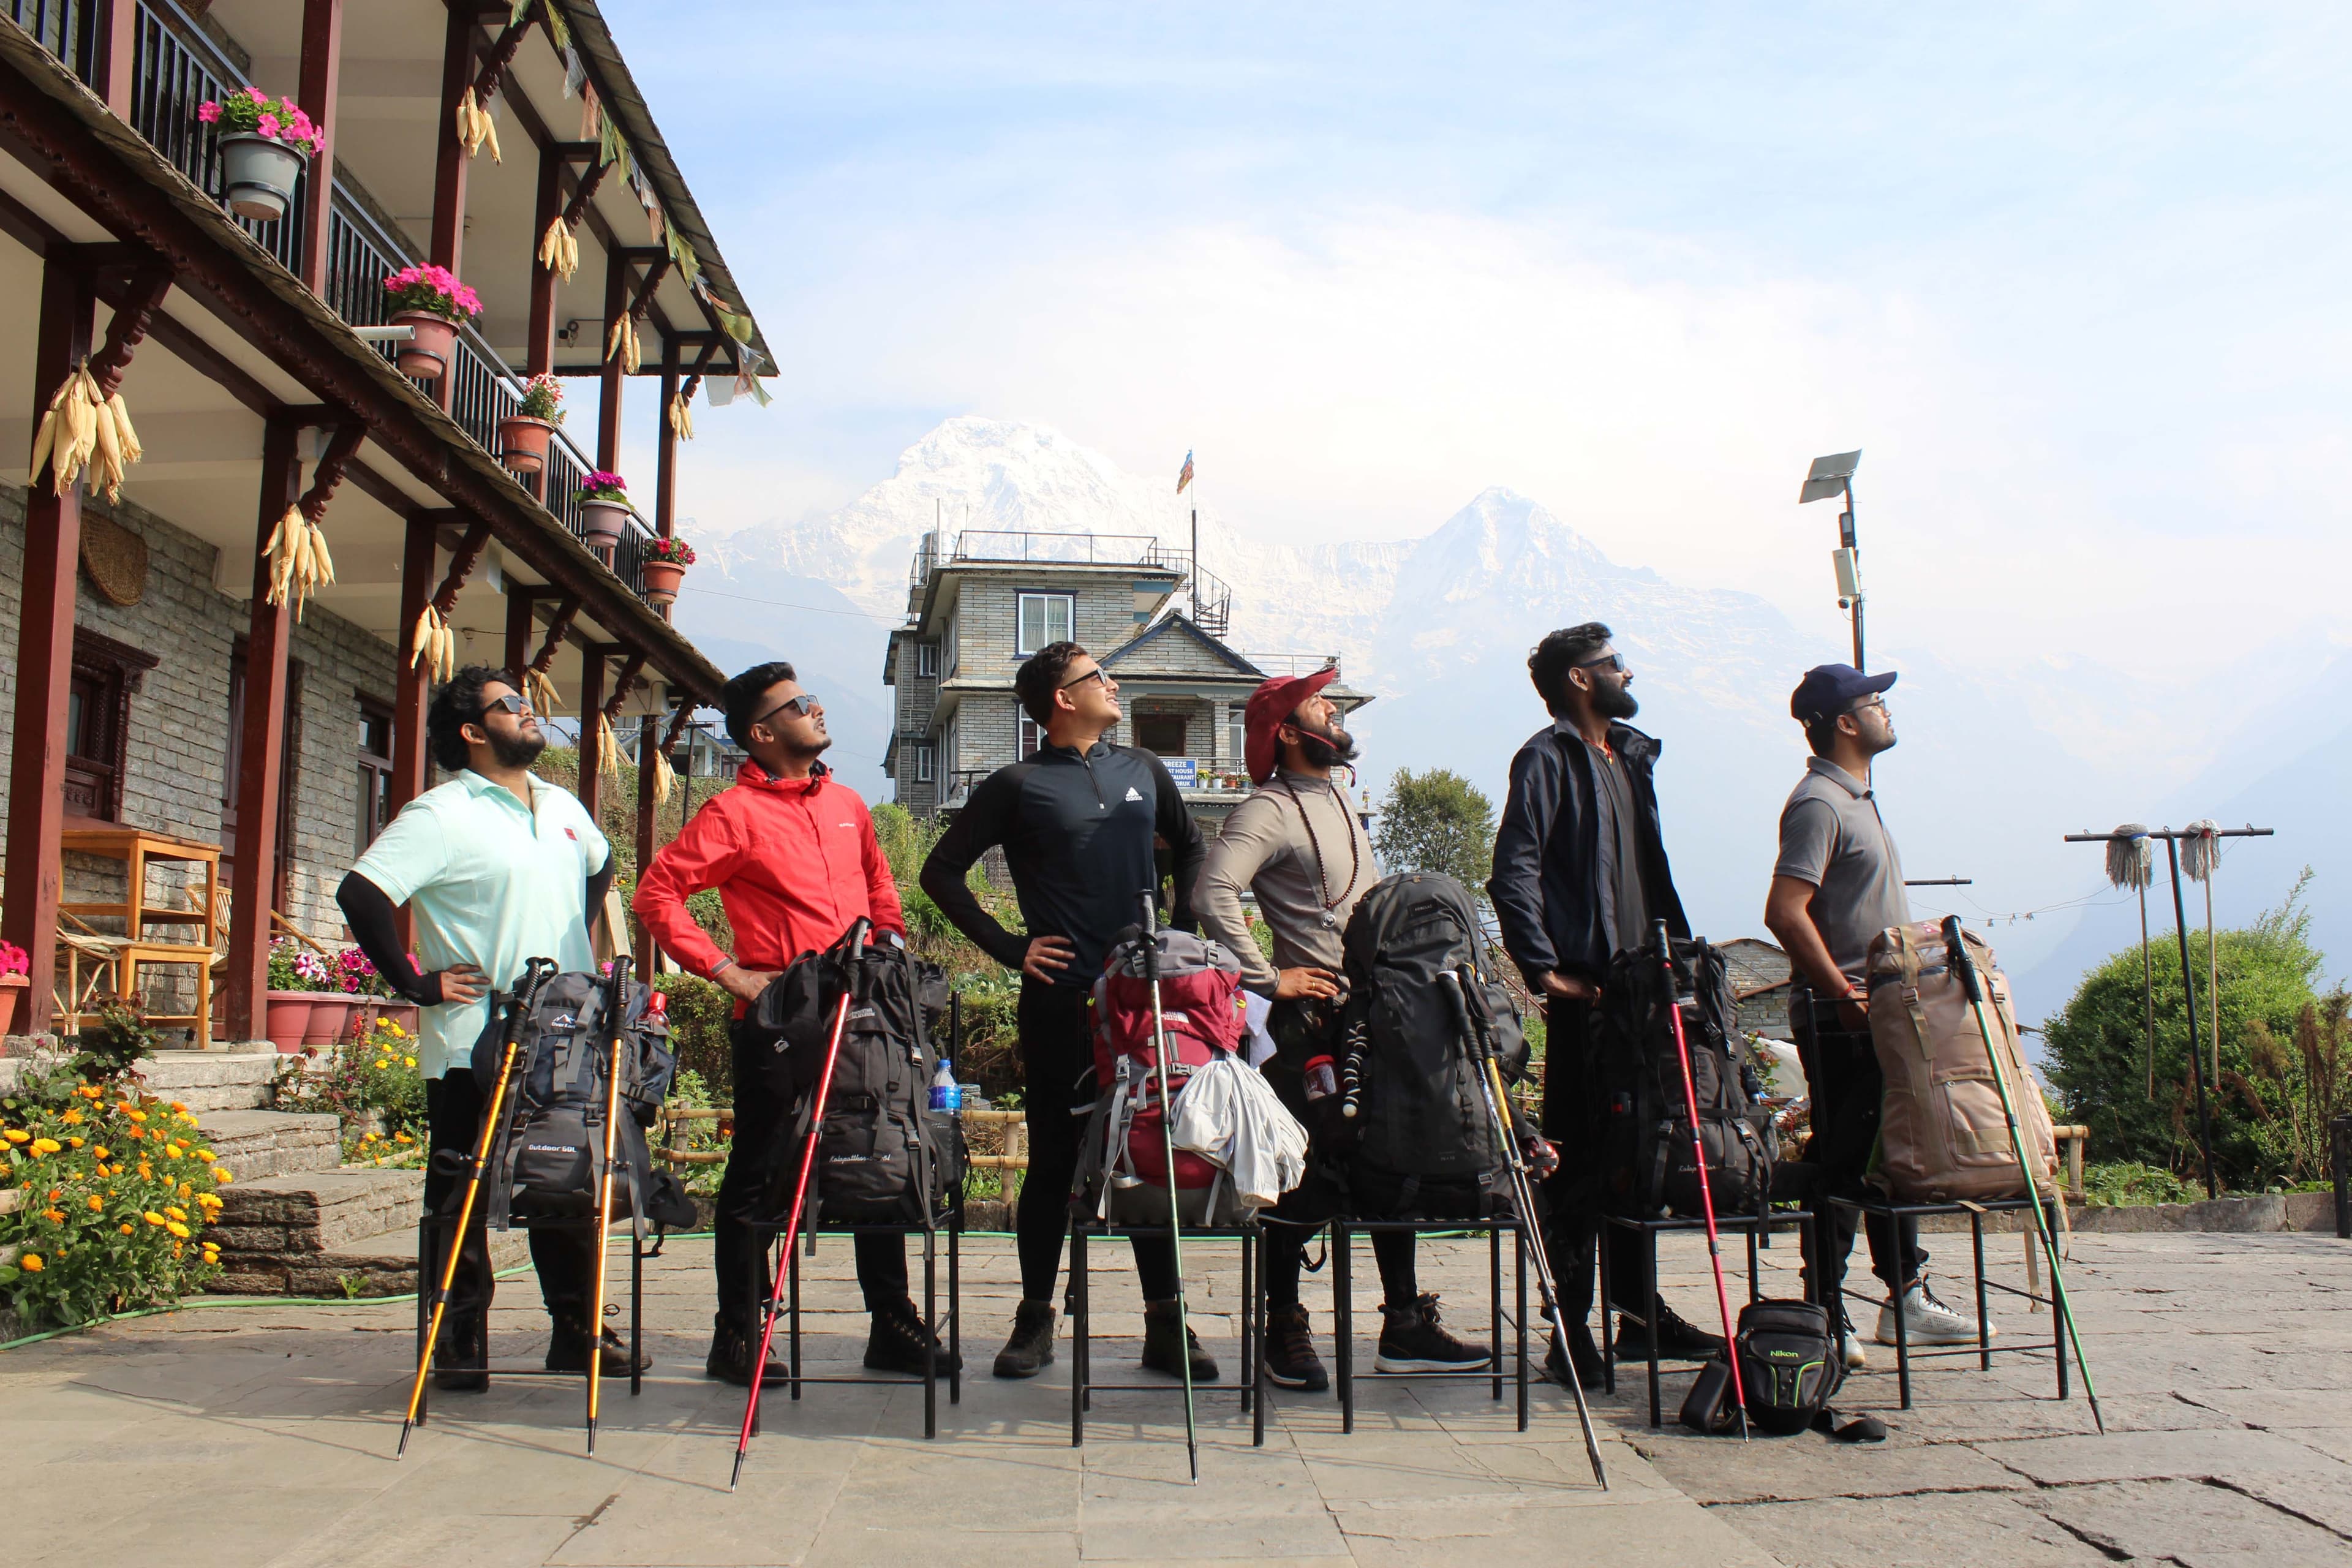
(1327, 750)
(1615, 702)
(520, 752)
(1883, 743)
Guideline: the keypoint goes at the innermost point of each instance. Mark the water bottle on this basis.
(946, 1093)
(1321, 1079)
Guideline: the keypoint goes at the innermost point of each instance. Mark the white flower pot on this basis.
(258, 174)
(601, 522)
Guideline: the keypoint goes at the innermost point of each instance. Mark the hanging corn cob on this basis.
(559, 248)
(608, 749)
(474, 127)
(69, 436)
(437, 644)
(300, 562)
(665, 780)
(681, 416)
(541, 690)
(621, 344)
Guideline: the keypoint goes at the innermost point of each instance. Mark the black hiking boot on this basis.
(568, 1350)
(1290, 1358)
(1582, 1354)
(461, 1362)
(1414, 1340)
(733, 1346)
(1159, 1351)
(898, 1340)
(1030, 1350)
(1677, 1339)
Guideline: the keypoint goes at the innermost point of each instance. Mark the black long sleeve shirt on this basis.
(370, 915)
(1077, 830)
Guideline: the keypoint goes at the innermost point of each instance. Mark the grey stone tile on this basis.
(1933, 1531)
(2190, 1523)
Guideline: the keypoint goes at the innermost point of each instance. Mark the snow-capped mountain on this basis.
(2000, 754)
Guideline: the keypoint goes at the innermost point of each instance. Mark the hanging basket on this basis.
(601, 522)
(662, 578)
(523, 442)
(426, 357)
(258, 174)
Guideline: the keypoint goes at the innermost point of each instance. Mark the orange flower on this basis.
(95, 1203)
(54, 1216)
(56, 1193)
(125, 1229)
(102, 1153)
(31, 1263)
(72, 1118)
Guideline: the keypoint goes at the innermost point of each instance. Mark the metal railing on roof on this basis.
(1288, 665)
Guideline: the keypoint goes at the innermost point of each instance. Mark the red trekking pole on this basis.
(1665, 947)
(856, 938)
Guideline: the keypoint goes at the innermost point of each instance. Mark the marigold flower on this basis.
(133, 1135)
(88, 1092)
(125, 1229)
(31, 1263)
(186, 1191)
(181, 1231)
(221, 1175)
(136, 1115)
(72, 1118)
(403, 1138)
(54, 1216)
(152, 1217)
(176, 1213)
(396, 1032)
(408, 1061)
(146, 1171)
(76, 1143)
(205, 1155)
(14, 1135)
(56, 1193)
(95, 1202)
(180, 1107)
(206, 1202)
(177, 1249)
(102, 1153)
(46, 1145)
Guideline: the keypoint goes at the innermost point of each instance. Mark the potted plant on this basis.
(664, 565)
(373, 1002)
(13, 983)
(264, 143)
(604, 509)
(523, 435)
(432, 303)
(296, 978)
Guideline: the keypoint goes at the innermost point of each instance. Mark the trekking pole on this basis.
(1523, 1203)
(1964, 965)
(1664, 945)
(857, 938)
(1168, 1146)
(534, 974)
(616, 995)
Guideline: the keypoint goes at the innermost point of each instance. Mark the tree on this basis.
(2097, 1055)
(1435, 821)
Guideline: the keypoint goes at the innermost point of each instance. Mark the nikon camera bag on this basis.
(1421, 1145)
(550, 1150)
(1942, 1135)
(1789, 1365)
(1647, 1164)
(883, 1156)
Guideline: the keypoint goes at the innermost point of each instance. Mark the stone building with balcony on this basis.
(980, 604)
(177, 721)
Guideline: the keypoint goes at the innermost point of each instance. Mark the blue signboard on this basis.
(1185, 771)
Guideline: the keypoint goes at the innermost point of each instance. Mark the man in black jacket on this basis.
(1078, 822)
(1581, 874)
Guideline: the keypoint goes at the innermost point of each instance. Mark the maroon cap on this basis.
(1270, 707)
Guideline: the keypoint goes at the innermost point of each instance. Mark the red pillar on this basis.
(665, 444)
(417, 582)
(519, 626)
(261, 752)
(450, 158)
(321, 76)
(609, 380)
(37, 772)
(539, 345)
(592, 706)
(648, 748)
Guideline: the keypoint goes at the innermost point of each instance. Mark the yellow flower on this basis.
(178, 1107)
(207, 1201)
(181, 1231)
(72, 1118)
(205, 1155)
(77, 1143)
(31, 1263)
(133, 1135)
(177, 1249)
(186, 1191)
(395, 1030)
(408, 1061)
(15, 1135)
(146, 1171)
(367, 1136)
(221, 1175)
(95, 1202)
(102, 1153)
(176, 1213)
(88, 1092)
(403, 1138)
(152, 1217)
(137, 1115)
(46, 1145)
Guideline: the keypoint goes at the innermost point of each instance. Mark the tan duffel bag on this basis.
(1942, 1136)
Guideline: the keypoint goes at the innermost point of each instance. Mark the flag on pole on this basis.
(1186, 476)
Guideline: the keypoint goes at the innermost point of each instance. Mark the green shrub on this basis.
(699, 1012)
(2123, 1182)
(373, 1085)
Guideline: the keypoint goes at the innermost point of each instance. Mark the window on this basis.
(374, 801)
(952, 645)
(1032, 737)
(923, 762)
(97, 723)
(1045, 618)
(1161, 733)
(1236, 734)
(927, 659)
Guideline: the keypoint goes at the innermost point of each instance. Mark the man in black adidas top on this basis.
(1079, 822)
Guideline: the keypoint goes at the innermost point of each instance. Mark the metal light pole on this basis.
(1833, 476)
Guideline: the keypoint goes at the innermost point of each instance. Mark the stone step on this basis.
(383, 1264)
(258, 1143)
(265, 1222)
(213, 1080)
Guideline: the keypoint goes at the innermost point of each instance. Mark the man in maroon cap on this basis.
(1298, 846)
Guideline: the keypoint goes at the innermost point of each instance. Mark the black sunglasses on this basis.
(806, 703)
(510, 704)
(1615, 661)
(1097, 673)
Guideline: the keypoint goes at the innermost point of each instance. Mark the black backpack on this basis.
(1420, 1144)
(1636, 1088)
(1789, 1370)
(549, 1153)
(883, 1156)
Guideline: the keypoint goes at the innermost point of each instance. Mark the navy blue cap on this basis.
(1829, 690)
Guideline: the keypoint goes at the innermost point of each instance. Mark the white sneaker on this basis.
(1856, 1357)
(1927, 1322)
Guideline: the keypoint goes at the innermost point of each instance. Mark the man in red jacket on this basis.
(792, 854)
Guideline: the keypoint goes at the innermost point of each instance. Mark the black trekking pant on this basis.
(565, 1257)
(1057, 1064)
(1842, 1079)
(763, 1133)
(1574, 1123)
(1302, 1031)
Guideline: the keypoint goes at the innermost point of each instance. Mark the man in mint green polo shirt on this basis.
(497, 867)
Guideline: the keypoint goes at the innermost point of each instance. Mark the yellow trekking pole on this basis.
(616, 992)
(534, 975)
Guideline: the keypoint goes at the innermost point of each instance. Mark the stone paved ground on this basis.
(264, 1435)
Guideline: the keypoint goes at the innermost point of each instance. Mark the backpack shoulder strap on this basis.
(1907, 958)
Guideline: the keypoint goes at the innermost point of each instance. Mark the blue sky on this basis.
(2073, 277)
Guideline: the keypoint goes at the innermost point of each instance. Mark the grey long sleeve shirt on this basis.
(1265, 847)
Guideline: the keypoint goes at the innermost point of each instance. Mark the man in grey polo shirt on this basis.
(1839, 883)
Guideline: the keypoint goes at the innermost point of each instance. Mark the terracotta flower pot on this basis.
(12, 987)
(404, 1014)
(258, 174)
(426, 357)
(329, 1011)
(662, 578)
(522, 443)
(601, 522)
(288, 1018)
